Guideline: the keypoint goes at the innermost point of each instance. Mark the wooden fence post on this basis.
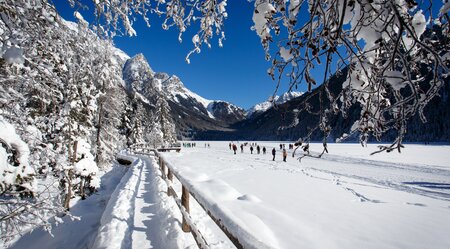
(170, 177)
(185, 202)
(163, 169)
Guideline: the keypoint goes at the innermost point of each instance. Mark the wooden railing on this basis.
(168, 173)
(148, 150)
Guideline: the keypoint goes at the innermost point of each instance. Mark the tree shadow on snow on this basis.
(77, 234)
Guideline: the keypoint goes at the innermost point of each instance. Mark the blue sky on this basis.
(235, 73)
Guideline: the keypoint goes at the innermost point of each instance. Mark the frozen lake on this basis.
(346, 199)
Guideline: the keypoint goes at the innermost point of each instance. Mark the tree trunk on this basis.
(99, 129)
(82, 184)
(68, 178)
(74, 155)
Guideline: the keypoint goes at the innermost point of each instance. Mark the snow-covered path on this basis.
(140, 215)
(146, 223)
(156, 224)
(131, 210)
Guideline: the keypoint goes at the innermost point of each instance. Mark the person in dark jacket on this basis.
(251, 149)
(273, 154)
(284, 155)
(258, 149)
(242, 148)
(264, 150)
(234, 148)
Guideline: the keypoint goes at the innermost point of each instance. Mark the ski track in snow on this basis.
(436, 187)
(437, 178)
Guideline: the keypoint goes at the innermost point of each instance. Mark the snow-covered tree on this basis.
(23, 205)
(137, 132)
(110, 101)
(51, 93)
(85, 170)
(164, 121)
(17, 174)
(155, 137)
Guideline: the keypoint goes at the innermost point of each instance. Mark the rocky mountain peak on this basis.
(137, 73)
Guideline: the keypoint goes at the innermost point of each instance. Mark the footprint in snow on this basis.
(250, 198)
(416, 204)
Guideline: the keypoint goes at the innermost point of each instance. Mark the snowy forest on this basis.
(65, 113)
(70, 100)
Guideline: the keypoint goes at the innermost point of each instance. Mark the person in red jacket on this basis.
(234, 148)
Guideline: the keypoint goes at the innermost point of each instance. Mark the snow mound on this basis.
(114, 228)
(12, 171)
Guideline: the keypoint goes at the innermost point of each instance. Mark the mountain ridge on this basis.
(199, 118)
(271, 101)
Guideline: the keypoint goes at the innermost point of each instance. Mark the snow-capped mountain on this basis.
(226, 111)
(278, 100)
(175, 91)
(190, 111)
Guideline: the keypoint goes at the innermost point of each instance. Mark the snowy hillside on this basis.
(62, 95)
(278, 100)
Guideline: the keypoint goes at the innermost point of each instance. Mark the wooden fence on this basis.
(168, 174)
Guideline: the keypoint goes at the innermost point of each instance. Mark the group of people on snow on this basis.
(234, 147)
(189, 145)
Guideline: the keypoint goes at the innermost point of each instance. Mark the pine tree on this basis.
(165, 121)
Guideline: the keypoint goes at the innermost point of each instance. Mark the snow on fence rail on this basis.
(237, 235)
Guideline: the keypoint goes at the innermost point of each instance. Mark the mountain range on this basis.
(277, 118)
(193, 114)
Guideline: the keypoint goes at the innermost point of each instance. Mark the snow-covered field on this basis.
(346, 199)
